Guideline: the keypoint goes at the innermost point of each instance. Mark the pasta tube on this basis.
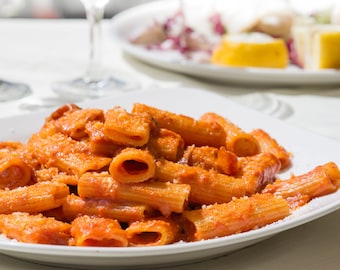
(126, 212)
(53, 174)
(46, 174)
(240, 215)
(333, 172)
(259, 170)
(207, 187)
(219, 159)
(127, 129)
(61, 111)
(73, 123)
(165, 197)
(237, 140)
(96, 231)
(166, 144)
(322, 180)
(9, 147)
(192, 131)
(269, 144)
(99, 143)
(68, 155)
(36, 229)
(14, 172)
(132, 165)
(153, 232)
(35, 198)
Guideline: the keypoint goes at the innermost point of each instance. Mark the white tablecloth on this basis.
(41, 52)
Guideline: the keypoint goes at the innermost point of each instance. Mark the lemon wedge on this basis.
(251, 50)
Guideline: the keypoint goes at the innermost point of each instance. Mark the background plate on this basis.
(127, 23)
(308, 149)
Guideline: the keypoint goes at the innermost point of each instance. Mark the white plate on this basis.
(309, 151)
(127, 23)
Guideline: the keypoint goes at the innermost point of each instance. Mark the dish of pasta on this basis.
(126, 26)
(145, 179)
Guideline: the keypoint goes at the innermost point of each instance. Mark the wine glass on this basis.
(97, 81)
(13, 90)
(10, 90)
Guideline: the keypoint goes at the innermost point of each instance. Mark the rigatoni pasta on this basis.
(99, 143)
(38, 228)
(270, 144)
(206, 187)
(68, 155)
(147, 177)
(75, 206)
(73, 123)
(165, 197)
(132, 165)
(237, 140)
(128, 129)
(258, 171)
(34, 198)
(219, 159)
(192, 131)
(153, 232)
(97, 231)
(239, 215)
(14, 172)
(166, 144)
(322, 180)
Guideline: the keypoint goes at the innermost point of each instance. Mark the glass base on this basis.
(81, 88)
(13, 91)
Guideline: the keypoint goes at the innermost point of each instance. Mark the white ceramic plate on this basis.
(127, 23)
(309, 150)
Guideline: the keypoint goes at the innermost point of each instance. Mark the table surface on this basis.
(41, 52)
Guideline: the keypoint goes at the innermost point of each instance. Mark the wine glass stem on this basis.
(94, 16)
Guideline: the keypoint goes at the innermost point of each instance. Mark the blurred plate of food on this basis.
(243, 43)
